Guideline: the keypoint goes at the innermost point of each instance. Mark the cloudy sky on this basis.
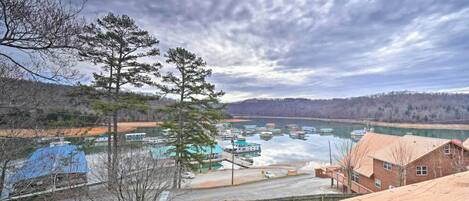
(312, 49)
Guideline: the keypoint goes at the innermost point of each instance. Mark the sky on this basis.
(311, 49)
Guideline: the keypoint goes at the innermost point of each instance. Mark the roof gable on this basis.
(413, 147)
(373, 143)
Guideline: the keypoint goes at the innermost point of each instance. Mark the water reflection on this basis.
(286, 148)
(281, 147)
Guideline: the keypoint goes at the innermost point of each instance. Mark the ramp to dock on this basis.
(229, 157)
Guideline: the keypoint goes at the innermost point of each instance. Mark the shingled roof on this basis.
(451, 187)
(381, 146)
(417, 146)
(373, 143)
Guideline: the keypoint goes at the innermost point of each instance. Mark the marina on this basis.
(264, 141)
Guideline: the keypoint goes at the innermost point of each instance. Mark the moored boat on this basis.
(326, 130)
(309, 129)
(361, 132)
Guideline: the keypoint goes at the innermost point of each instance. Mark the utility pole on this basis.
(232, 161)
(330, 162)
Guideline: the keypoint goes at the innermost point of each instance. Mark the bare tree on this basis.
(402, 154)
(350, 157)
(39, 33)
(458, 164)
(140, 176)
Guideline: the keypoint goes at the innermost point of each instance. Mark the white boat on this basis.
(326, 130)
(154, 140)
(361, 132)
(241, 146)
(308, 129)
(266, 133)
(135, 137)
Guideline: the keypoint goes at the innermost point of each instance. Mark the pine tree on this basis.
(118, 45)
(191, 118)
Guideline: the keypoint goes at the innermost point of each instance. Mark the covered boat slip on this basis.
(51, 167)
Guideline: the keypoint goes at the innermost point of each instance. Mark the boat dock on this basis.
(238, 161)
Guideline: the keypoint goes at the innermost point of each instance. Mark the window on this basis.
(447, 149)
(355, 177)
(421, 170)
(378, 183)
(387, 166)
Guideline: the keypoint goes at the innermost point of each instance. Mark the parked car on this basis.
(269, 174)
(188, 175)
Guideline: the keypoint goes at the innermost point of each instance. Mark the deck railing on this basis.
(356, 187)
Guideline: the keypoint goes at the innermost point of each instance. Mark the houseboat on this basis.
(154, 140)
(242, 146)
(297, 134)
(101, 140)
(270, 126)
(361, 132)
(309, 129)
(227, 135)
(276, 131)
(250, 129)
(135, 137)
(326, 130)
(260, 129)
(266, 133)
(292, 127)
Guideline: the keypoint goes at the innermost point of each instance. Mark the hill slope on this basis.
(391, 107)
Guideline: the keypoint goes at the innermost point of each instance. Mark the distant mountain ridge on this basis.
(389, 107)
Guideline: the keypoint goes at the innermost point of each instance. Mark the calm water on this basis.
(315, 147)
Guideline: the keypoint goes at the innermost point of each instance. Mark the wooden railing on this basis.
(356, 187)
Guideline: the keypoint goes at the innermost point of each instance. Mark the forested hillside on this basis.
(391, 107)
(53, 105)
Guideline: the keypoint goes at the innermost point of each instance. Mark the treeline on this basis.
(390, 107)
(54, 105)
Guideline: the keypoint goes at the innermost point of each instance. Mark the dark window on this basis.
(355, 177)
(421, 170)
(387, 166)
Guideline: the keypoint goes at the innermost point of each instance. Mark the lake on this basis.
(315, 147)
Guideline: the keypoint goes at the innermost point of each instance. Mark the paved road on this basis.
(284, 187)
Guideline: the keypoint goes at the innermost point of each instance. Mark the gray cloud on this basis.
(317, 49)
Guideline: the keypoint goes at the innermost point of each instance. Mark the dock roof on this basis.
(168, 151)
(52, 160)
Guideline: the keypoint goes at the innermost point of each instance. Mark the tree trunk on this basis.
(210, 158)
(181, 132)
(3, 175)
(110, 168)
(109, 150)
(349, 181)
(115, 161)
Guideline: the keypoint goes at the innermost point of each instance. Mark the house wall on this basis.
(438, 164)
(367, 182)
(364, 181)
(387, 177)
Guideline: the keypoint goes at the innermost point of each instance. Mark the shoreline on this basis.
(464, 127)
